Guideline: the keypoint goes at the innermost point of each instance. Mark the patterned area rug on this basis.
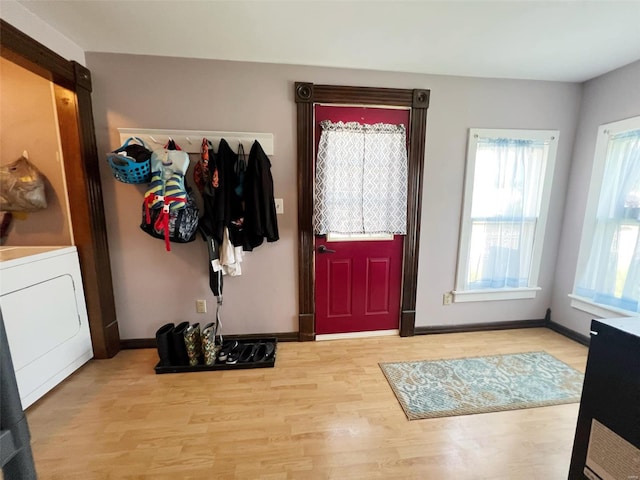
(463, 386)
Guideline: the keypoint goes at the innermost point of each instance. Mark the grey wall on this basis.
(152, 286)
(611, 97)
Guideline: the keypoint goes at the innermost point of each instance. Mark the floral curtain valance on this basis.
(361, 179)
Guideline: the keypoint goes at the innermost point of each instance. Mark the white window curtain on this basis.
(361, 179)
(507, 187)
(611, 276)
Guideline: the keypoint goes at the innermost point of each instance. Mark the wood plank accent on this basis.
(72, 88)
(324, 411)
(306, 94)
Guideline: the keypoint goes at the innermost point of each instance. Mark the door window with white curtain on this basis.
(507, 187)
(608, 273)
(361, 179)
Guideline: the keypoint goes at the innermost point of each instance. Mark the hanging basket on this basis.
(131, 163)
(129, 171)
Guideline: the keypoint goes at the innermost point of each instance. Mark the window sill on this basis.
(602, 311)
(497, 294)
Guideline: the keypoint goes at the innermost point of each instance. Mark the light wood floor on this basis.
(325, 411)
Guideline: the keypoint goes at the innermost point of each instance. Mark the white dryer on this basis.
(45, 315)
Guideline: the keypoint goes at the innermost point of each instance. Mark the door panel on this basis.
(339, 288)
(358, 285)
(377, 292)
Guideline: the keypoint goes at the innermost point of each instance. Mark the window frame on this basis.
(550, 137)
(605, 132)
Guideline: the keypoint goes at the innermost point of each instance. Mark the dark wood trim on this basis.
(306, 288)
(306, 331)
(95, 228)
(72, 88)
(481, 327)
(338, 94)
(567, 332)
(407, 322)
(306, 95)
(414, 207)
(135, 343)
(421, 98)
(82, 76)
(35, 57)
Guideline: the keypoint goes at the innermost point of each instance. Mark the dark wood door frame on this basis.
(308, 94)
(72, 89)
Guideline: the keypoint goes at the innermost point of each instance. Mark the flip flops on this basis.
(227, 348)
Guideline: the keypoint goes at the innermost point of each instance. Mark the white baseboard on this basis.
(343, 336)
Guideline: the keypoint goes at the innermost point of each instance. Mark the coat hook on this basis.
(154, 140)
(188, 139)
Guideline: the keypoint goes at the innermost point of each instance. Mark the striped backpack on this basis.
(168, 210)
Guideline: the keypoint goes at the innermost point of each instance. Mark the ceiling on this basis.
(571, 40)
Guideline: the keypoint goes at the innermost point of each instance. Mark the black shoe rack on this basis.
(270, 363)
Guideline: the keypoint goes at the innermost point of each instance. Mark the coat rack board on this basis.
(191, 140)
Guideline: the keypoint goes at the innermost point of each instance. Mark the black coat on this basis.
(221, 206)
(260, 220)
(227, 205)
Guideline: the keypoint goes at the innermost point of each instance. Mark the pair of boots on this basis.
(185, 345)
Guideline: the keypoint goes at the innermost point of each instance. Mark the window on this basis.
(506, 198)
(608, 273)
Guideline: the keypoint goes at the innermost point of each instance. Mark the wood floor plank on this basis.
(325, 411)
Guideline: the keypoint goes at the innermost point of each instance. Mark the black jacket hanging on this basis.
(260, 220)
(236, 226)
(218, 177)
(227, 204)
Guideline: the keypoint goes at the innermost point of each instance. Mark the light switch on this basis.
(279, 205)
(201, 306)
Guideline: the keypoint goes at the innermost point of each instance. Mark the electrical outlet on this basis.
(447, 298)
(279, 205)
(201, 306)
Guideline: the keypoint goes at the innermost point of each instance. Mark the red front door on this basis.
(358, 283)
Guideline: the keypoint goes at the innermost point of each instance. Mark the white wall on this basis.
(153, 287)
(610, 97)
(25, 21)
